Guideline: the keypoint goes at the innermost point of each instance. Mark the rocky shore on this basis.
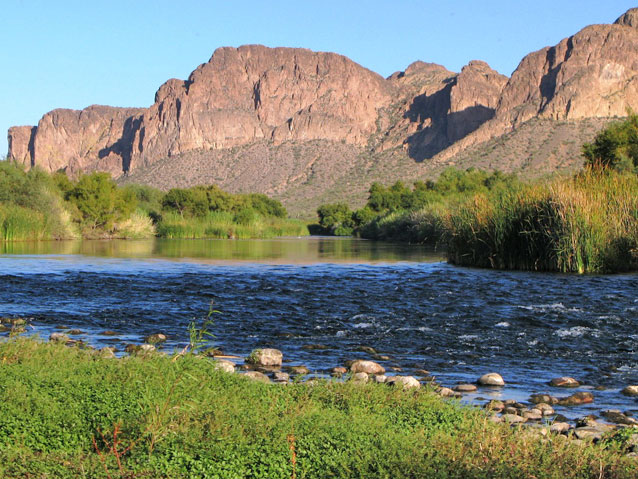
(544, 414)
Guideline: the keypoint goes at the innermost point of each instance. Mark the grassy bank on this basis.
(37, 206)
(226, 225)
(156, 417)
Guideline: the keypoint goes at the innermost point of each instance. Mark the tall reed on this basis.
(585, 224)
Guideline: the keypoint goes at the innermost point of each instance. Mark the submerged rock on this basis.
(465, 388)
(617, 417)
(630, 391)
(281, 377)
(564, 382)
(577, 399)
(155, 338)
(543, 398)
(491, 379)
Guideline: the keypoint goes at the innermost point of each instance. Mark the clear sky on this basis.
(74, 53)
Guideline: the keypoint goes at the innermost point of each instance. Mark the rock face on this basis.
(329, 119)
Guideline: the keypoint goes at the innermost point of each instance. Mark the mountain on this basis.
(309, 127)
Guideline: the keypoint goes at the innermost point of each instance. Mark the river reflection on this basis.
(305, 250)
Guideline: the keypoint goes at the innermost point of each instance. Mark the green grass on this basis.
(226, 225)
(183, 419)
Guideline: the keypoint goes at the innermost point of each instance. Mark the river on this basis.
(404, 301)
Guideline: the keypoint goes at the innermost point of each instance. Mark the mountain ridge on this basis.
(306, 121)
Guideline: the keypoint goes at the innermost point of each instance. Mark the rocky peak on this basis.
(629, 18)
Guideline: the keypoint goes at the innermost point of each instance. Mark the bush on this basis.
(615, 147)
(99, 202)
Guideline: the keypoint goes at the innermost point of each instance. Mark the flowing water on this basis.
(401, 300)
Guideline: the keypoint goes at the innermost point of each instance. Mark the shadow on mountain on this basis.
(437, 127)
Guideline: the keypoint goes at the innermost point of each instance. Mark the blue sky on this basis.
(71, 54)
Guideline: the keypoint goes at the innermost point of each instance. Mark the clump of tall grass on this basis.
(587, 223)
(422, 226)
(31, 207)
(139, 225)
(222, 224)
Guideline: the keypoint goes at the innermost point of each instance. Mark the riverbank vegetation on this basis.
(161, 416)
(38, 206)
(584, 223)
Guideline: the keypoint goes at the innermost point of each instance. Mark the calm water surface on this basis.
(402, 300)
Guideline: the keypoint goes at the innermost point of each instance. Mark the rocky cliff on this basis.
(282, 101)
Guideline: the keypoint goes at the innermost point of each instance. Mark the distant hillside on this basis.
(309, 127)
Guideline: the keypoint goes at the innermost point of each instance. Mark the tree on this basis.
(615, 147)
(336, 218)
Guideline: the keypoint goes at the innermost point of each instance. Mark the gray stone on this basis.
(406, 382)
(59, 337)
(465, 388)
(513, 419)
(630, 391)
(491, 379)
(360, 378)
(224, 365)
(256, 376)
(368, 367)
(265, 357)
(560, 427)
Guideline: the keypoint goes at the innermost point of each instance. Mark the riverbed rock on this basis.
(108, 333)
(544, 408)
(491, 379)
(147, 348)
(256, 376)
(465, 388)
(281, 377)
(107, 352)
(314, 347)
(338, 371)
(368, 367)
(448, 393)
(630, 391)
(495, 405)
(224, 365)
(577, 399)
(560, 427)
(366, 349)
(405, 382)
(59, 337)
(513, 419)
(380, 378)
(155, 338)
(543, 398)
(533, 415)
(590, 433)
(298, 370)
(617, 417)
(510, 410)
(265, 357)
(564, 382)
(75, 332)
(360, 378)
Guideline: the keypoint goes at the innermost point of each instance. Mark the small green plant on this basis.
(201, 336)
